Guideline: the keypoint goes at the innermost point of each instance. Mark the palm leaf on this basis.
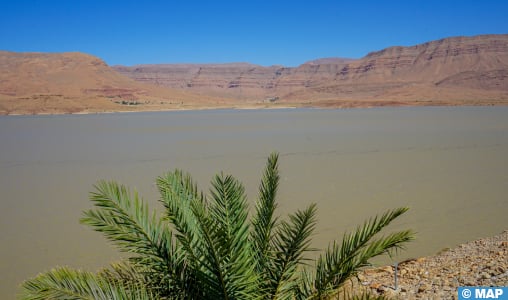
(291, 241)
(341, 262)
(179, 195)
(304, 285)
(178, 192)
(214, 233)
(124, 273)
(263, 221)
(65, 283)
(226, 249)
(126, 221)
(228, 211)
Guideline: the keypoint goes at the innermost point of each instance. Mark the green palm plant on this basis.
(206, 247)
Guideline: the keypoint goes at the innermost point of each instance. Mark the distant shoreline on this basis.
(253, 106)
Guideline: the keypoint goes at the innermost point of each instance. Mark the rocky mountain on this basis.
(447, 71)
(450, 71)
(238, 80)
(76, 82)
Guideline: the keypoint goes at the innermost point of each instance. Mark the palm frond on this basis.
(228, 210)
(340, 262)
(383, 245)
(214, 232)
(124, 273)
(291, 241)
(209, 264)
(65, 283)
(226, 248)
(263, 221)
(304, 285)
(126, 221)
(178, 192)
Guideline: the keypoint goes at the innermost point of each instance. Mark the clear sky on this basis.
(262, 32)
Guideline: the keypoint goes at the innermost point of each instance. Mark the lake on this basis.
(448, 164)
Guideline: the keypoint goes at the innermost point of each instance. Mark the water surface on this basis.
(449, 165)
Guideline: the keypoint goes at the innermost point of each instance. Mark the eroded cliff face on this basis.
(451, 71)
(434, 61)
(478, 63)
(240, 80)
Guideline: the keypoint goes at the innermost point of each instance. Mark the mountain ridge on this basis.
(424, 64)
(449, 71)
(74, 82)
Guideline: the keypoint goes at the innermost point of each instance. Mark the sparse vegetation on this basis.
(207, 247)
(125, 102)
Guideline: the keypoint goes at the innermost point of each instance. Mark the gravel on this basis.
(483, 262)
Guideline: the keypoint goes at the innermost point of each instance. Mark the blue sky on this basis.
(262, 32)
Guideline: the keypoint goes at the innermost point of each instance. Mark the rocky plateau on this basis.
(450, 71)
(472, 70)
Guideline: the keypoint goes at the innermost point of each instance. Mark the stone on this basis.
(470, 283)
(423, 287)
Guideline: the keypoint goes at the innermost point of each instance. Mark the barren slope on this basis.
(451, 71)
(77, 82)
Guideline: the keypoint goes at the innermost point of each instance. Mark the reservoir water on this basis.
(448, 164)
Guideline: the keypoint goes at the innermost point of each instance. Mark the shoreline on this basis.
(481, 262)
(196, 108)
(261, 106)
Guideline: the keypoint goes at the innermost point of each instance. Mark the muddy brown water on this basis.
(448, 164)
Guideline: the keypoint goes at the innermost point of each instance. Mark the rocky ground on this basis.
(483, 262)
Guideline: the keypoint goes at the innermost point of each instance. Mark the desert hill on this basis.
(450, 71)
(77, 82)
